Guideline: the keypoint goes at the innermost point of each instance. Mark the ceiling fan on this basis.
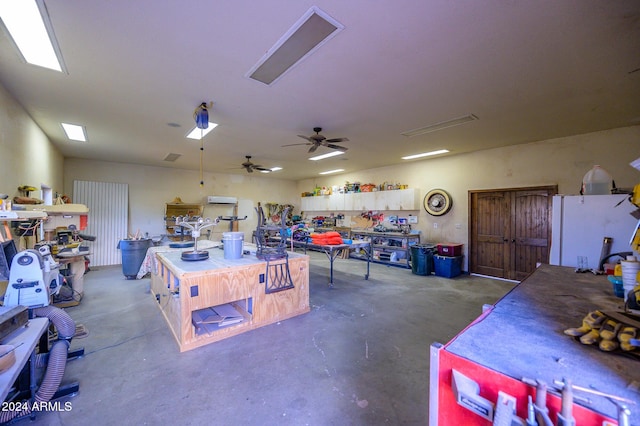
(318, 140)
(250, 167)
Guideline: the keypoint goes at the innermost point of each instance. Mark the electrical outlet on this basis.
(458, 226)
(435, 225)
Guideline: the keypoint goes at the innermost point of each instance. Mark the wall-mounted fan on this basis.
(318, 140)
(250, 167)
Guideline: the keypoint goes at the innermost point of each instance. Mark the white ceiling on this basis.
(529, 70)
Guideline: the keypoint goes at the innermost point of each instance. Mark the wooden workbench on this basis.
(182, 288)
(521, 338)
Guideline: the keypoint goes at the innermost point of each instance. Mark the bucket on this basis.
(630, 269)
(232, 242)
(133, 253)
(597, 181)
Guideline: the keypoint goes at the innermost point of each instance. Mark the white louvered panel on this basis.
(108, 205)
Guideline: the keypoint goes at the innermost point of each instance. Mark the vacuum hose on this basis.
(57, 359)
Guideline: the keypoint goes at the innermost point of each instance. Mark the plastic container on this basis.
(447, 266)
(232, 242)
(422, 259)
(133, 253)
(630, 270)
(597, 181)
(450, 249)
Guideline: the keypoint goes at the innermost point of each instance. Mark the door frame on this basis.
(552, 189)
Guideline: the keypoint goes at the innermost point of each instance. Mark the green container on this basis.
(422, 259)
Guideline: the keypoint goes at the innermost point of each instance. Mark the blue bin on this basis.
(448, 266)
(133, 254)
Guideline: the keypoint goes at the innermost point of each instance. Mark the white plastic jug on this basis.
(597, 181)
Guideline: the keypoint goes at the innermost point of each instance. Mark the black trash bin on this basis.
(133, 253)
(422, 259)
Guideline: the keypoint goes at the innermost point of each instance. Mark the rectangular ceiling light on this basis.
(198, 133)
(311, 31)
(29, 26)
(273, 169)
(328, 172)
(327, 155)
(439, 126)
(75, 132)
(425, 154)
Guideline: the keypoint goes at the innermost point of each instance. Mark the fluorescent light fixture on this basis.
(28, 24)
(439, 126)
(306, 36)
(198, 133)
(75, 132)
(425, 154)
(331, 171)
(273, 169)
(327, 155)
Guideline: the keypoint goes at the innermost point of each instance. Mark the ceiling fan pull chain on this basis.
(201, 155)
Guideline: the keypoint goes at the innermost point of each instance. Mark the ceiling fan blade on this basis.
(337, 140)
(313, 148)
(338, 147)
(249, 169)
(261, 169)
(293, 144)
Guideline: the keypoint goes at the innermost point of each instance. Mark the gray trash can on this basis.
(133, 254)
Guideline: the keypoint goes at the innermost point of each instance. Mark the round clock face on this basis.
(437, 202)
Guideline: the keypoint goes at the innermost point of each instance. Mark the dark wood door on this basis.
(510, 231)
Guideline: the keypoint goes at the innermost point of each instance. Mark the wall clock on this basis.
(437, 202)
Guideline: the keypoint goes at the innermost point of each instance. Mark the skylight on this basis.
(28, 24)
(75, 132)
(198, 133)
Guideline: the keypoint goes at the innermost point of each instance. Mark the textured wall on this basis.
(26, 155)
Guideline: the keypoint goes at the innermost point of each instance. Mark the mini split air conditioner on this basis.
(216, 199)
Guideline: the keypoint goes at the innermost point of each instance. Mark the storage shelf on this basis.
(384, 253)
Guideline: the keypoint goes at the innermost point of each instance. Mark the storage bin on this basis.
(447, 266)
(450, 249)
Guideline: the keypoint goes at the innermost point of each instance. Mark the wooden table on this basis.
(183, 289)
(333, 250)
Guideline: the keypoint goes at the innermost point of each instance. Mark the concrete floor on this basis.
(360, 357)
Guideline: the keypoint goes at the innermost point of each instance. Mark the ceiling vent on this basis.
(172, 157)
(311, 31)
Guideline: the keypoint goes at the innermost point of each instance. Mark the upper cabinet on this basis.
(400, 199)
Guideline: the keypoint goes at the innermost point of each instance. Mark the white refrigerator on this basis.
(581, 222)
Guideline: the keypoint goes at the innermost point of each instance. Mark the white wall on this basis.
(561, 162)
(26, 155)
(150, 188)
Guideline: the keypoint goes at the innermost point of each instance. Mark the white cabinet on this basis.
(401, 199)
